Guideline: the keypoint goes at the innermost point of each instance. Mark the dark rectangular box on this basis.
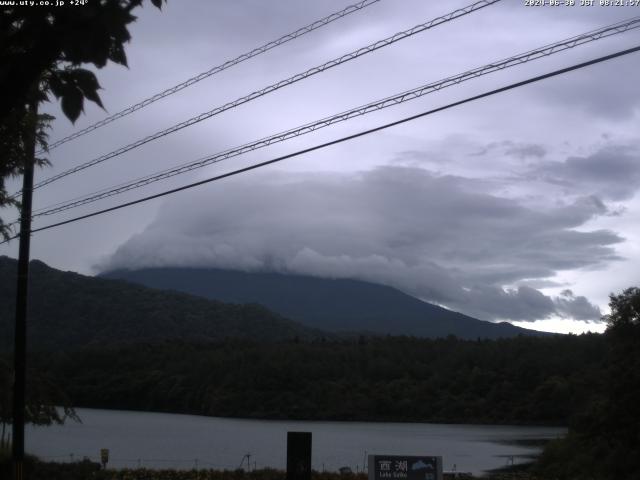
(298, 455)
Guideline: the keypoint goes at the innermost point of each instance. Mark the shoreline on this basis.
(327, 420)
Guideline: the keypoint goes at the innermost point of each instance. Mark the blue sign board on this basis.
(402, 467)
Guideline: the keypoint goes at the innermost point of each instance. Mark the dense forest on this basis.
(604, 434)
(521, 380)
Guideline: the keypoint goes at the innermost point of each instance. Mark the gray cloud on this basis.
(612, 172)
(528, 304)
(578, 307)
(425, 234)
(526, 150)
(515, 149)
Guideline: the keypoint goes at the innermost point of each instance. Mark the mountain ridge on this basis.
(67, 310)
(337, 305)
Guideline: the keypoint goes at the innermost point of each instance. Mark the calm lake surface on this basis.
(157, 440)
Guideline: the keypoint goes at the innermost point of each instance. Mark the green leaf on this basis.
(56, 85)
(72, 103)
(117, 55)
(157, 4)
(94, 97)
(87, 82)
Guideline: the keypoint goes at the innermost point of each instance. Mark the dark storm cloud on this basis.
(526, 304)
(525, 150)
(577, 307)
(518, 150)
(425, 234)
(523, 303)
(612, 172)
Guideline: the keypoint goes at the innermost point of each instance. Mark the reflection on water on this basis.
(159, 440)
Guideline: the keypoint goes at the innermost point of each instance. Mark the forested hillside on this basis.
(68, 310)
(521, 380)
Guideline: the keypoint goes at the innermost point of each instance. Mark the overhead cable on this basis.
(340, 140)
(399, 98)
(276, 86)
(217, 69)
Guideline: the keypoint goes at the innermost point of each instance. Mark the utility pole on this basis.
(20, 344)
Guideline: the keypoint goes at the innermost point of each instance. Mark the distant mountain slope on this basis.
(328, 304)
(68, 310)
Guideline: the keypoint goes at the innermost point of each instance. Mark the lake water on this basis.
(157, 440)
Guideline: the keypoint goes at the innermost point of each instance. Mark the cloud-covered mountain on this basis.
(441, 238)
(338, 305)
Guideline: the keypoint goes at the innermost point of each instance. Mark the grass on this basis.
(86, 470)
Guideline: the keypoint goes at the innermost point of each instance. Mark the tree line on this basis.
(525, 380)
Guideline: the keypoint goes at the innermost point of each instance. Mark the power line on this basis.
(418, 92)
(276, 86)
(217, 69)
(340, 140)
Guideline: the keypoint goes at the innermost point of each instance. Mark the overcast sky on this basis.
(521, 207)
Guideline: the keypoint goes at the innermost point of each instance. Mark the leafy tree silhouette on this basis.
(41, 52)
(604, 439)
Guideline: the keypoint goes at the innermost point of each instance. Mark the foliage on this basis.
(87, 470)
(41, 395)
(521, 380)
(43, 47)
(604, 438)
(14, 132)
(239, 474)
(41, 50)
(625, 312)
(35, 469)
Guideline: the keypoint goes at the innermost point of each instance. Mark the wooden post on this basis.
(20, 345)
(298, 455)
